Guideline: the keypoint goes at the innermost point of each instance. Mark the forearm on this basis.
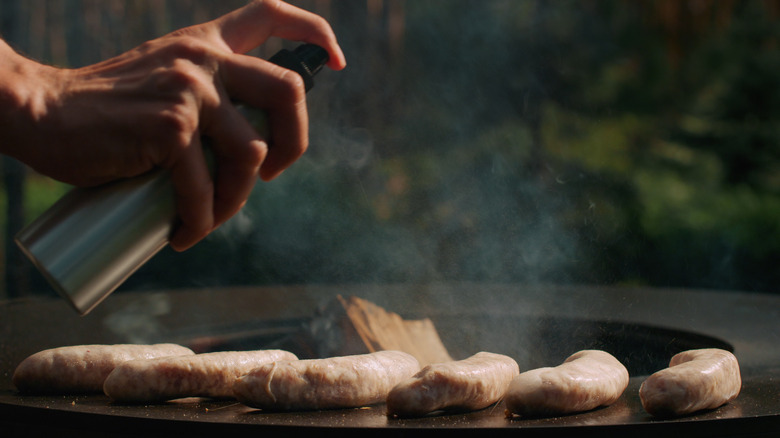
(24, 87)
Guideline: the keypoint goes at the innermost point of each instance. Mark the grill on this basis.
(537, 325)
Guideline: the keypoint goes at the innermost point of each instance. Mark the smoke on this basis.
(348, 147)
(138, 322)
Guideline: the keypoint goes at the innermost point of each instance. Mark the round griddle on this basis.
(642, 327)
(753, 413)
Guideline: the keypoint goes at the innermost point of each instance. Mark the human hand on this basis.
(150, 106)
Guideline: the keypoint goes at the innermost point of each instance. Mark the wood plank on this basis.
(361, 326)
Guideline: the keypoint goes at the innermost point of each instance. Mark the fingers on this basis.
(250, 26)
(194, 197)
(289, 129)
(241, 153)
(238, 153)
(280, 93)
(214, 175)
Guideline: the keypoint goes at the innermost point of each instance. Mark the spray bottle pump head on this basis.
(306, 60)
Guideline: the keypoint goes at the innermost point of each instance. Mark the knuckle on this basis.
(256, 153)
(301, 150)
(320, 25)
(177, 78)
(191, 48)
(187, 64)
(292, 87)
(268, 6)
(175, 127)
(179, 119)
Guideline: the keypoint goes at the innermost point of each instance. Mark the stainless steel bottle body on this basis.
(92, 239)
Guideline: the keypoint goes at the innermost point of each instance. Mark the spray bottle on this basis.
(91, 240)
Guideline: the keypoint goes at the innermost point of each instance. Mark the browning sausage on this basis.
(695, 380)
(586, 380)
(469, 384)
(82, 368)
(200, 375)
(335, 382)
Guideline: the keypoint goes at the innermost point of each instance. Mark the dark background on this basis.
(567, 142)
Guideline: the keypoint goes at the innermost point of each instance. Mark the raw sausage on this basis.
(200, 375)
(695, 380)
(586, 380)
(330, 383)
(465, 385)
(82, 368)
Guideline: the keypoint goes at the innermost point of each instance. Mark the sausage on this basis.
(584, 381)
(330, 383)
(201, 375)
(465, 385)
(82, 368)
(695, 380)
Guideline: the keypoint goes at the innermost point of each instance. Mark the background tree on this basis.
(598, 142)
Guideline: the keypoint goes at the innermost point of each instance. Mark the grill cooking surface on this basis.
(641, 327)
(756, 406)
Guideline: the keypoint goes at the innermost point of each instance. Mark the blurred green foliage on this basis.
(599, 142)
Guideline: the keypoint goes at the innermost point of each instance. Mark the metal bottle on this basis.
(92, 239)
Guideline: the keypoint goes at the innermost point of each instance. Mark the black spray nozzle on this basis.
(306, 60)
